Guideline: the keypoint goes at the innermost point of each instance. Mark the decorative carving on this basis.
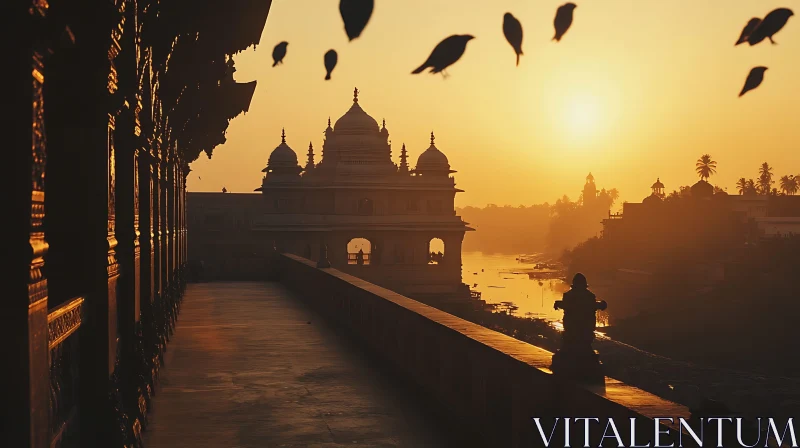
(38, 134)
(112, 181)
(63, 321)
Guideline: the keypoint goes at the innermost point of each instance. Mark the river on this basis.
(503, 278)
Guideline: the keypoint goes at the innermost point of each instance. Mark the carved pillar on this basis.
(163, 218)
(24, 329)
(170, 209)
(155, 191)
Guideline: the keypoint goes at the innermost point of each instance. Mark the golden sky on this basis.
(637, 89)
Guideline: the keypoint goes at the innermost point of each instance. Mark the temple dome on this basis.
(432, 160)
(702, 189)
(282, 158)
(652, 199)
(355, 120)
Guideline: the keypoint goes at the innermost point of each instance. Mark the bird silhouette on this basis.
(355, 14)
(445, 54)
(772, 23)
(278, 53)
(512, 29)
(224, 190)
(331, 58)
(753, 79)
(748, 30)
(563, 20)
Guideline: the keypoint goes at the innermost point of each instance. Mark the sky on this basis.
(636, 90)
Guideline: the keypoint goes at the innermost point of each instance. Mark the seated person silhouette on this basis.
(576, 359)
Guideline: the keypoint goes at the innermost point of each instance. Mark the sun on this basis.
(581, 116)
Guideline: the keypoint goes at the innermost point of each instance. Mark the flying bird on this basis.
(772, 23)
(278, 53)
(748, 30)
(445, 54)
(753, 79)
(331, 58)
(563, 20)
(512, 29)
(355, 14)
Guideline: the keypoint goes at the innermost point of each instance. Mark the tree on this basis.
(750, 187)
(741, 185)
(705, 167)
(765, 178)
(789, 185)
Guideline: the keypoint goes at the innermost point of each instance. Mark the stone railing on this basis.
(489, 382)
(63, 324)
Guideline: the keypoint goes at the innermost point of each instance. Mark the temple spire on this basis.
(283, 135)
(432, 138)
(383, 124)
(355, 95)
(310, 162)
(403, 159)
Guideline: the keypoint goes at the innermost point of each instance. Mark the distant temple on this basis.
(386, 223)
(702, 219)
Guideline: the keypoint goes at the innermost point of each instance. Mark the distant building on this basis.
(702, 220)
(389, 224)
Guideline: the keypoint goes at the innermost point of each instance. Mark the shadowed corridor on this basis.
(246, 369)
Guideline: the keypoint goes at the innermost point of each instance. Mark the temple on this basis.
(386, 223)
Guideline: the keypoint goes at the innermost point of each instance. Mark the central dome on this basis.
(356, 120)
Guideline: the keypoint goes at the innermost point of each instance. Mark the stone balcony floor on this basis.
(250, 366)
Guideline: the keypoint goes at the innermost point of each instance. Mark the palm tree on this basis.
(705, 167)
(789, 185)
(750, 187)
(614, 195)
(741, 185)
(765, 178)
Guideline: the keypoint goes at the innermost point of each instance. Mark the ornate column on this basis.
(24, 329)
(164, 218)
(170, 209)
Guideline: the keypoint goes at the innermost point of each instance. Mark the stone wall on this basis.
(490, 382)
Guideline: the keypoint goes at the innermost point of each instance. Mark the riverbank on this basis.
(707, 346)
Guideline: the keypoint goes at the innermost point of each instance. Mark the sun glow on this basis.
(581, 116)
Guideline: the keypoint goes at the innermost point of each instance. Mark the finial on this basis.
(329, 121)
(310, 146)
(355, 95)
(384, 123)
(432, 138)
(283, 135)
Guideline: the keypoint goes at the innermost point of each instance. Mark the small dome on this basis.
(432, 159)
(702, 189)
(658, 184)
(283, 156)
(356, 120)
(652, 199)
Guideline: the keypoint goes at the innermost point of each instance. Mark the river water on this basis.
(503, 278)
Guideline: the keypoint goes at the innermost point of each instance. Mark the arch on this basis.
(435, 251)
(366, 206)
(359, 251)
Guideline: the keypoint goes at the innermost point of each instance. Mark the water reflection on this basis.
(503, 279)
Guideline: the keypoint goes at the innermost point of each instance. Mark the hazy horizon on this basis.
(634, 91)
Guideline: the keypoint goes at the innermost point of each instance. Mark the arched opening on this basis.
(365, 206)
(359, 251)
(435, 251)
